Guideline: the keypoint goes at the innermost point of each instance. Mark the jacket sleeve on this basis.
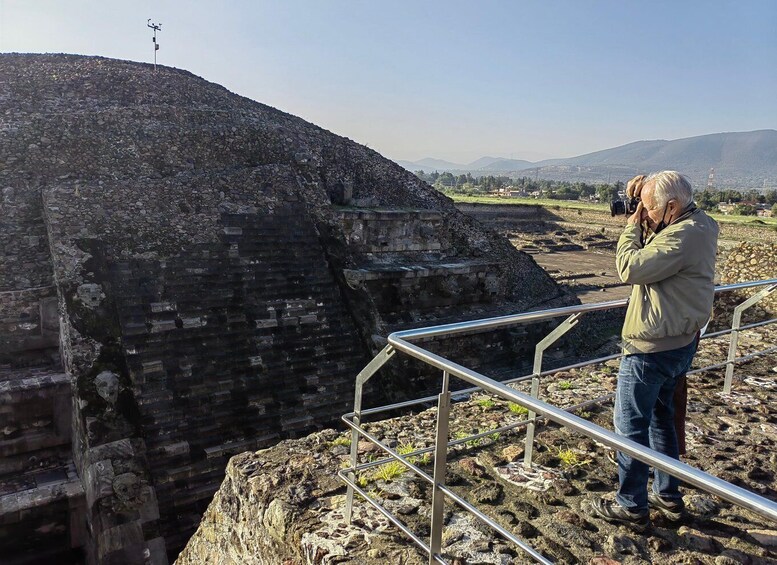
(661, 258)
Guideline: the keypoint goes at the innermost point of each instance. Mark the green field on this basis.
(547, 202)
(752, 221)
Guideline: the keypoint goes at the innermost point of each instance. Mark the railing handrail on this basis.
(537, 315)
(400, 341)
(691, 475)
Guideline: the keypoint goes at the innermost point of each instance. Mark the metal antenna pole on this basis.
(155, 27)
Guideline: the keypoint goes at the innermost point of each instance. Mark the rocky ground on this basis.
(284, 504)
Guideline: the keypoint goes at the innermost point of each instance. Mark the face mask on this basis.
(662, 224)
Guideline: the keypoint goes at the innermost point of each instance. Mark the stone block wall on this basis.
(223, 332)
(28, 315)
(407, 293)
(34, 426)
(381, 231)
(44, 524)
(24, 252)
(414, 276)
(231, 347)
(41, 497)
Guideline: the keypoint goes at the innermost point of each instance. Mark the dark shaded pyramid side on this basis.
(223, 270)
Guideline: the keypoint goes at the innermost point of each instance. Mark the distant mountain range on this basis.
(740, 160)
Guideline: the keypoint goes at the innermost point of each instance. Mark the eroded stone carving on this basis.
(107, 384)
(90, 294)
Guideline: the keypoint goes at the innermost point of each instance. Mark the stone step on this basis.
(459, 313)
(379, 231)
(40, 490)
(418, 270)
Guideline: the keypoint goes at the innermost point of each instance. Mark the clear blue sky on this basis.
(451, 79)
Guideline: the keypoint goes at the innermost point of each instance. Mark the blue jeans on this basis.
(644, 413)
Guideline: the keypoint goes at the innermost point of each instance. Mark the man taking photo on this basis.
(667, 252)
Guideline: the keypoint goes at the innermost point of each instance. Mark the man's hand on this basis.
(636, 217)
(634, 186)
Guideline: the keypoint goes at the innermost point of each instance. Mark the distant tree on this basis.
(730, 196)
(423, 176)
(744, 210)
(587, 189)
(771, 197)
(606, 192)
(447, 179)
(706, 199)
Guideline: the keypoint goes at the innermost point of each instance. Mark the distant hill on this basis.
(740, 160)
(430, 164)
(506, 165)
(484, 162)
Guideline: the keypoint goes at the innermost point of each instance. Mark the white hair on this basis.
(671, 185)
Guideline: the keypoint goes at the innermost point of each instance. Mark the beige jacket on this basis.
(672, 274)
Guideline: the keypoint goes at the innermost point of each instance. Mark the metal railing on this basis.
(401, 341)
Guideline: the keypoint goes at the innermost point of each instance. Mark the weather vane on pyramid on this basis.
(155, 27)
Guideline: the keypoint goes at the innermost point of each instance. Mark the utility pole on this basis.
(156, 28)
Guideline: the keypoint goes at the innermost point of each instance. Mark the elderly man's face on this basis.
(650, 213)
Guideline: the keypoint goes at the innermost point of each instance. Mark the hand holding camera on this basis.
(628, 206)
(634, 186)
(634, 193)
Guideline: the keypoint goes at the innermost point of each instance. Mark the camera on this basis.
(625, 207)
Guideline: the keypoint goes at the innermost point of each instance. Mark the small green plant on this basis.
(341, 440)
(485, 402)
(565, 385)
(585, 414)
(570, 458)
(406, 448)
(494, 436)
(469, 443)
(389, 471)
(517, 408)
(362, 480)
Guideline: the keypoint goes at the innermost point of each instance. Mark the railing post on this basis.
(440, 463)
(736, 323)
(546, 342)
(364, 375)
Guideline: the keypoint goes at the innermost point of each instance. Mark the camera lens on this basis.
(617, 207)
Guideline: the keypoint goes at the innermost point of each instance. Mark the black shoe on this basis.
(674, 510)
(612, 512)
